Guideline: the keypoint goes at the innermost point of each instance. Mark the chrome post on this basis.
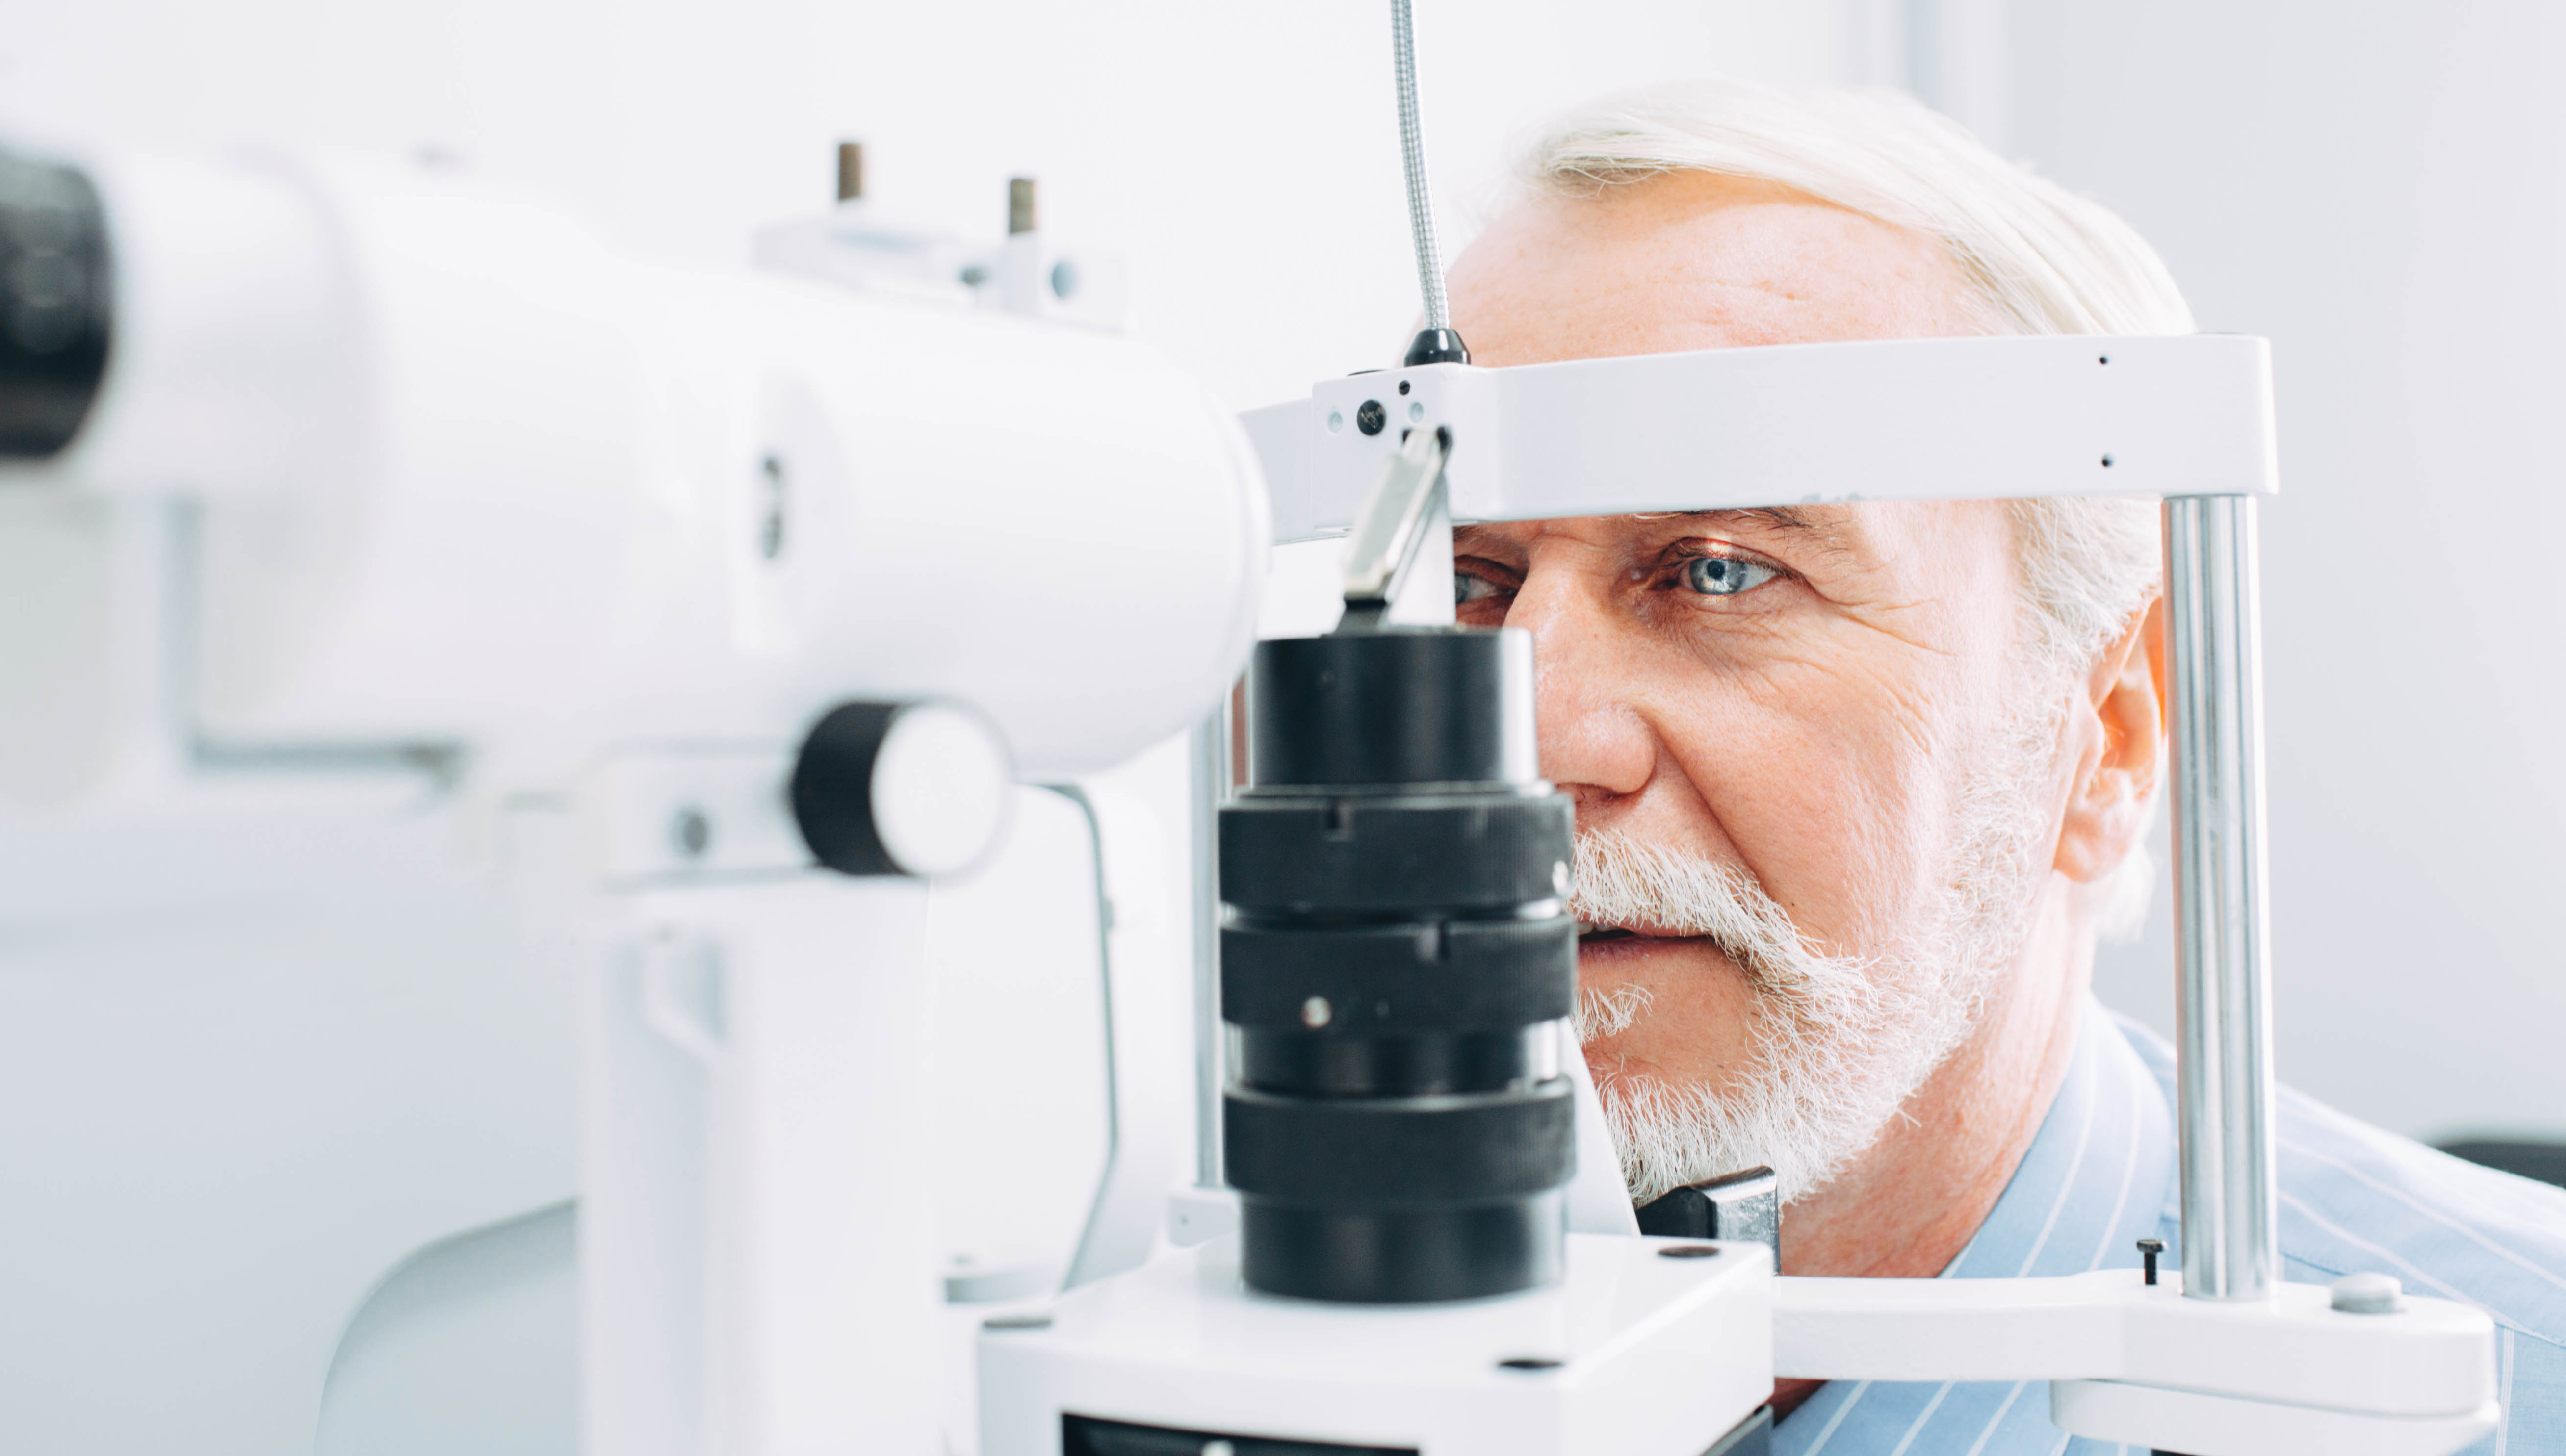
(1210, 784)
(2214, 671)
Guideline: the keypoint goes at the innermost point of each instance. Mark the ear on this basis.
(2124, 760)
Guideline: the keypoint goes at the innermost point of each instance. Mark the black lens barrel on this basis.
(55, 304)
(1394, 966)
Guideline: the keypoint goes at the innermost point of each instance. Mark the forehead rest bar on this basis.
(1790, 424)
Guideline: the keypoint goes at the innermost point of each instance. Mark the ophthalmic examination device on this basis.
(408, 466)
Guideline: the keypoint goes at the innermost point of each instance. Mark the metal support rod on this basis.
(2215, 676)
(1210, 778)
(1412, 150)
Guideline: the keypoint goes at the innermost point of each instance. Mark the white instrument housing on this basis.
(1631, 1354)
(449, 478)
(1720, 428)
(465, 473)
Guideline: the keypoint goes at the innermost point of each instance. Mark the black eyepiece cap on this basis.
(1437, 345)
(57, 304)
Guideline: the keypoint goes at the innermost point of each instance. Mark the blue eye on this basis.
(1725, 576)
(1467, 589)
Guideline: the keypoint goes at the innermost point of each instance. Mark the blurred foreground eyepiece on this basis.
(1396, 965)
(55, 304)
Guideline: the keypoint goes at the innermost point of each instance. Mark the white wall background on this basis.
(1243, 157)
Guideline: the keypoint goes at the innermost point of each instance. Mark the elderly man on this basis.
(1859, 786)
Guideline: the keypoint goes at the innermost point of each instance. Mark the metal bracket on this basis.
(1383, 548)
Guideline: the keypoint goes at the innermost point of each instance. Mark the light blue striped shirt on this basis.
(2100, 1175)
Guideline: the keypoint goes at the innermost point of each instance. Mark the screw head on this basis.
(693, 832)
(2366, 1294)
(1370, 416)
(1690, 1251)
(1530, 1363)
(770, 526)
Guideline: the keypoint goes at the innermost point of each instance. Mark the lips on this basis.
(1588, 933)
(1650, 950)
(1599, 946)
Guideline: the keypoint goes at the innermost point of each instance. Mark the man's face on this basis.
(1813, 712)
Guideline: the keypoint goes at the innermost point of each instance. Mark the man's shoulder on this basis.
(2355, 1197)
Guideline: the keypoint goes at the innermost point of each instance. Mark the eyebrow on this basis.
(1790, 518)
(1835, 533)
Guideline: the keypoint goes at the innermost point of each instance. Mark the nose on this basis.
(1595, 745)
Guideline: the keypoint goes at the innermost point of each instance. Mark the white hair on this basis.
(2036, 259)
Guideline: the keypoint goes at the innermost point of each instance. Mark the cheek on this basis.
(1829, 786)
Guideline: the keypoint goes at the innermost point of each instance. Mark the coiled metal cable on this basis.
(1412, 144)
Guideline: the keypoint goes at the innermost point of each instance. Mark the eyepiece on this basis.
(55, 305)
(1396, 966)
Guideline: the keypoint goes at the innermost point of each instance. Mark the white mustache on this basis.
(1623, 880)
(1813, 1091)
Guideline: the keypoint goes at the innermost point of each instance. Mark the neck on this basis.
(1907, 1207)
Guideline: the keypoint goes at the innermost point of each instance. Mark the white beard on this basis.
(1839, 1042)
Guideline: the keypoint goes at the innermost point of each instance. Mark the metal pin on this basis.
(1020, 205)
(850, 170)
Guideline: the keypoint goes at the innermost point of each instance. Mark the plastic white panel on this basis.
(1899, 420)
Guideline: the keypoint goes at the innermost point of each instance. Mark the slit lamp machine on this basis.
(420, 470)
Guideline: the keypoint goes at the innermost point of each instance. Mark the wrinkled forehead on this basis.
(1695, 260)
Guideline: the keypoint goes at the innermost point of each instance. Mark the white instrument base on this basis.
(1655, 1356)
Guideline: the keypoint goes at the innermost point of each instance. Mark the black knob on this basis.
(1437, 345)
(910, 789)
(56, 300)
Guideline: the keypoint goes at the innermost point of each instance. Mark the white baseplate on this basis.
(1657, 1357)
